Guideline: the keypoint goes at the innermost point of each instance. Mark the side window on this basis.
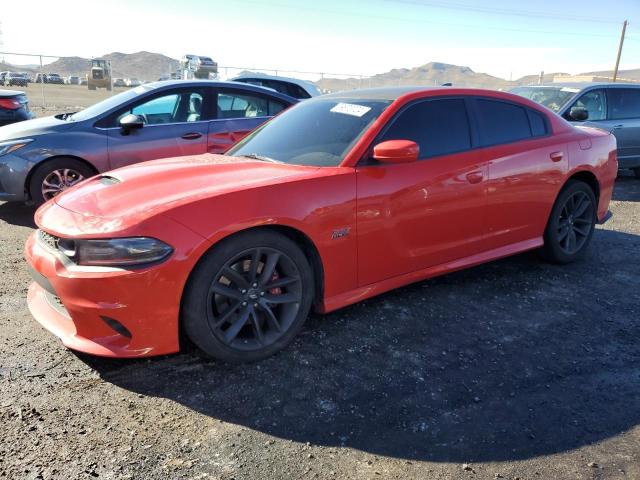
(624, 103)
(194, 112)
(296, 91)
(501, 122)
(438, 127)
(538, 124)
(176, 107)
(236, 105)
(595, 103)
(275, 107)
(158, 110)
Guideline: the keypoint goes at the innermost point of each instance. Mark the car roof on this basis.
(220, 83)
(263, 76)
(583, 85)
(393, 93)
(10, 93)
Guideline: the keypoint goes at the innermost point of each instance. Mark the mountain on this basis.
(622, 74)
(430, 74)
(141, 65)
(533, 79)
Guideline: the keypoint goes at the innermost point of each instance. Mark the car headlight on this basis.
(115, 252)
(13, 145)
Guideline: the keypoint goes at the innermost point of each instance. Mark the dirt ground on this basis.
(53, 99)
(517, 369)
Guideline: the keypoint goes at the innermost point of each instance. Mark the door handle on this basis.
(475, 177)
(191, 136)
(618, 127)
(556, 156)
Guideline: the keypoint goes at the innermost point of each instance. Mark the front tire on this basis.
(248, 297)
(54, 176)
(571, 223)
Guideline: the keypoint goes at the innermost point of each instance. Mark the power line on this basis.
(503, 11)
(432, 22)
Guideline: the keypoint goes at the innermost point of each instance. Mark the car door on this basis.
(417, 215)
(527, 166)
(624, 122)
(238, 112)
(175, 125)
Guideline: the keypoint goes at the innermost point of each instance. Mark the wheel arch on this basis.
(588, 177)
(300, 238)
(43, 162)
(296, 235)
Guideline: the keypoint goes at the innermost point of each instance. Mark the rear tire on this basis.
(248, 297)
(571, 223)
(61, 172)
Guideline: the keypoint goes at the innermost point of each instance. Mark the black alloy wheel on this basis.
(571, 224)
(575, 222)
(248, 296)
(254, 298)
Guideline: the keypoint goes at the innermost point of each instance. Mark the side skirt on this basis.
(368, 291)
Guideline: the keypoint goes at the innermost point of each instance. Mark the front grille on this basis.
(49, 240)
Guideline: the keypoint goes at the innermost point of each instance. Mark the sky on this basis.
(502, 38)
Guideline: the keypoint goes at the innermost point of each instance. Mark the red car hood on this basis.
(152, 187)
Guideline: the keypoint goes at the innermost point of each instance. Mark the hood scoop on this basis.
(108, 180)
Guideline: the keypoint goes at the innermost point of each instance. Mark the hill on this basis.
(430, 74)
(630, 74)
(141, 65)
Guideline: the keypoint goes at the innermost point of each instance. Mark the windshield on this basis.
(109, 103)
(551, 97)
(317, 132)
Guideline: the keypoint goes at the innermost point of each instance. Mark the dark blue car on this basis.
(40, 158)
(14, 107)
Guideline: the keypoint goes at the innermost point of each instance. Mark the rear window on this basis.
(501, 122)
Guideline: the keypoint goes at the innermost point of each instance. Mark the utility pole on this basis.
(615, 71)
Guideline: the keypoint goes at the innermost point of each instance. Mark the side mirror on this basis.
(131, 122)
(396, 151)
(578, 114)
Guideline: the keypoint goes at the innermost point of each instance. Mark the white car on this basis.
(132, 82)
(294, 87)
(72, 80)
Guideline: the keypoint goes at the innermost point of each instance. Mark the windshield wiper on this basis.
(255, 156)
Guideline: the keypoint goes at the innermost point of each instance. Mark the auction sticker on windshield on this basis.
(350, 109)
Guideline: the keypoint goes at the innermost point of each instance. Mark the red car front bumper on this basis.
(110, 312)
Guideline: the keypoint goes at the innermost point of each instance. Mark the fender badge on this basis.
(342, 232)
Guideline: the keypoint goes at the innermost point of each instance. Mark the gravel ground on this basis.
(517, 369)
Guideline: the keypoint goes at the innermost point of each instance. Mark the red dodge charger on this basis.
(338, 199)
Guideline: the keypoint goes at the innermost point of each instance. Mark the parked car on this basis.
(14, 107)
(73, 80)
(338, 199)
(84, 80)
(40, 78)
(15, 79)
(119, 82)
(300, 89)
(614, 107)
(152, 121)
(54, 78)
(132, 82)
(2, 75)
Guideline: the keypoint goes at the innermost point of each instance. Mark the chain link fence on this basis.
(56, 84)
